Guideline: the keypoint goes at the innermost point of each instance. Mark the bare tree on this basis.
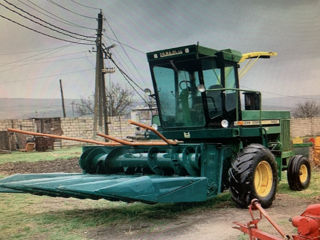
(119, 101)
(307, 109)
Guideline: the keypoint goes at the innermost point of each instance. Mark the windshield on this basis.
(180, 101)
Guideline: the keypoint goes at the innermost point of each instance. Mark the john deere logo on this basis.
(171, 53)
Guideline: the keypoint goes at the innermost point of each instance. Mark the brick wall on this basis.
(82, 128)
(301, 127)
(22, 124)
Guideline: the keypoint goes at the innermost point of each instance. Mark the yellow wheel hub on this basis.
(303, 173)
(263, 179)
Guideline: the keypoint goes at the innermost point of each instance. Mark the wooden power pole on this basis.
(99, 81)
(62, 99)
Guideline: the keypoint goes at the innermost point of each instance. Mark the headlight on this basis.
(224, 123)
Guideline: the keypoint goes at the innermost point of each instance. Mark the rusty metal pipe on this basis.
(124, 142)
(257, 205)
(168, 141)
(62, 137)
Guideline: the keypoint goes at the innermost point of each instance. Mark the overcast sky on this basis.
(31, 64)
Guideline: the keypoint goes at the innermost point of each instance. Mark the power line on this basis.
(55, 17)
(47, 22)
(57, 4)
(85, 5)
(66, 34)
(31, 51)
(38, 61)
(35, 55)
(130, 81)
(126, 74)
(49, 76)
(57, 38)
(125, 44)
(124, 50)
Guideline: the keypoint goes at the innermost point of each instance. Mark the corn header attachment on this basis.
(222, 139)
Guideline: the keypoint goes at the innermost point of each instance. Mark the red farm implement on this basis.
(307, 224)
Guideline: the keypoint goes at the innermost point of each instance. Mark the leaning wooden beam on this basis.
(168, 141)
(124, 142)
(62, 137)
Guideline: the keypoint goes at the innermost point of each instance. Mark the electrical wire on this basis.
(48, 35)
(130, 81)
(46, 53)
(57, 4)
(49, 76)
(52, 29)
(85, 5)
(120, 59)
(39, 60)
(124, 44)
(31, 51)
(47, 22)
(53, 16)
(117, 66)
(124, 50)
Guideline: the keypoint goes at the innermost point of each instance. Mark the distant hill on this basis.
(287, 103)
(17, 108)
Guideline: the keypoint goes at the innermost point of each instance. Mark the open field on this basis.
(24, 216)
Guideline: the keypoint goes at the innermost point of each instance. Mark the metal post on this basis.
(62, 99)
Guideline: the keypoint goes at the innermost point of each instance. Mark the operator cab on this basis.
(195, 87)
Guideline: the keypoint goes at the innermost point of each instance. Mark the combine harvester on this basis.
(222, 140)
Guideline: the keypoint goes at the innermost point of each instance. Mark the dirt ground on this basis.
(58, 165)
(210, 224)
(202, 225)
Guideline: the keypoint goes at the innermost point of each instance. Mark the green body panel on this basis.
(265, 115)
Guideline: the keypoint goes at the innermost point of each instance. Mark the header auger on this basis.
(214, 136)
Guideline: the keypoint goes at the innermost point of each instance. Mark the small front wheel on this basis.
(299, 173)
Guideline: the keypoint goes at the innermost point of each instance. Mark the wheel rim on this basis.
(263, 179)
(303, 173)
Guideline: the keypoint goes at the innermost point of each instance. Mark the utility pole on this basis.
(98, 95)
(62, 99)
(100, 100)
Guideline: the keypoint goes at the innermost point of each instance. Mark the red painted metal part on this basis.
(251, 228)
(307, 224)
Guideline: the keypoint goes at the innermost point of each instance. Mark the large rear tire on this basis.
(253, 174)
(299, 173)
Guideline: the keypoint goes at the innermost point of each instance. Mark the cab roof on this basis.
(196, 51)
